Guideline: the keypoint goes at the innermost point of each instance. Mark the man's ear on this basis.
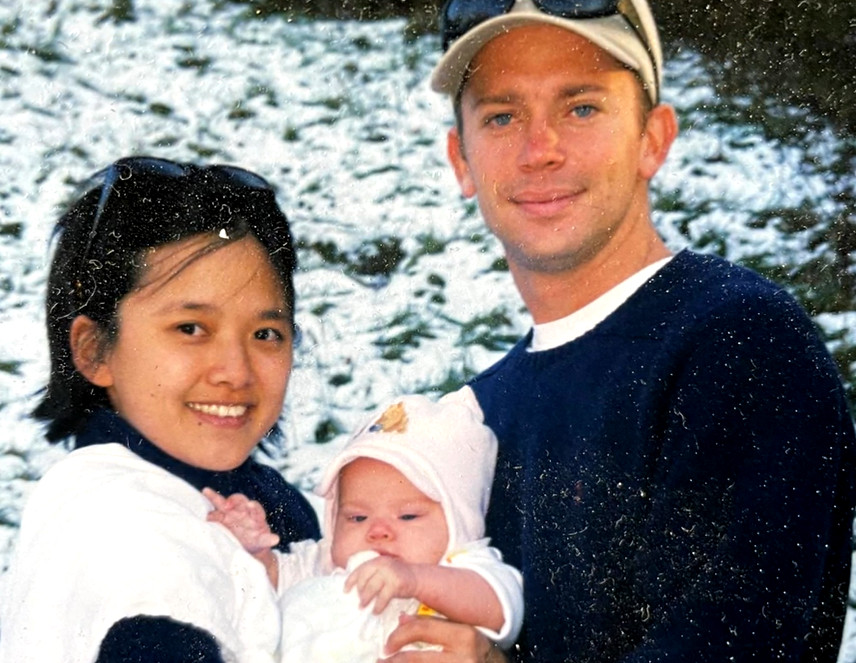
(661, 129)
(87, 351)
(455, 153)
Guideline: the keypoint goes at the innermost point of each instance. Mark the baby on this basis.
(404, 523)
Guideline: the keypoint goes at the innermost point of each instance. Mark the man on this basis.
(675, 476)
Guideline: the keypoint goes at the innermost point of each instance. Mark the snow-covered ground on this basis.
(340, 117)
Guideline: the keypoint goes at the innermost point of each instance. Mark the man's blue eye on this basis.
(584, 110)
(501, 119)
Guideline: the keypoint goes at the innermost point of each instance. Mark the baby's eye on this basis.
(409, 516)
(355, 519)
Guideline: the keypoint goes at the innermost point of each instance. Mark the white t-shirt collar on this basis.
(552, 334)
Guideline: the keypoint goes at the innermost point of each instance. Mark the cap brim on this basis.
(611, 33)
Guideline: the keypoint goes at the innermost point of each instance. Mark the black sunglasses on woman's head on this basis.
(140, 170)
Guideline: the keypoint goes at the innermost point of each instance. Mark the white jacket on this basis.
(107, 535)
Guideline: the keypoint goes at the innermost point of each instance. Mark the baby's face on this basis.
(380, 510)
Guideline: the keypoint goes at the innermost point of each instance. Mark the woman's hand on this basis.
(461, 643)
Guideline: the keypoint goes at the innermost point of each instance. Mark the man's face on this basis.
(555, 149)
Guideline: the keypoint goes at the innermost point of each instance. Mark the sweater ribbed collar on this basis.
(105, 426)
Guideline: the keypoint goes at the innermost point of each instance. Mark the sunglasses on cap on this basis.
(461, 16)
(130, 168)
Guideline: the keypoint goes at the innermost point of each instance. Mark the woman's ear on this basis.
(87, 351)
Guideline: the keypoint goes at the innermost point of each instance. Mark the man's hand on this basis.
(382, 579)
(461, 643)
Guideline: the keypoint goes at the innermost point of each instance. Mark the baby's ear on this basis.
(87, 351)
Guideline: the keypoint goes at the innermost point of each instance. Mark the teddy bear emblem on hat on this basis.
(393, 420)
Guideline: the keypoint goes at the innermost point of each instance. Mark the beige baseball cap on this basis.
(629, 35)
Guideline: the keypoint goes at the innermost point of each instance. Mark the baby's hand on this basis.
(243, 517)
(382, 579)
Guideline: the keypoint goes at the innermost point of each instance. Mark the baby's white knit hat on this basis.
(441, 447)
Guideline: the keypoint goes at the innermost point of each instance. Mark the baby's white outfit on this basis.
(443, 449)
(324, 623)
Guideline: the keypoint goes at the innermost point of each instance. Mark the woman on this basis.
(170, 315)
(170, 312)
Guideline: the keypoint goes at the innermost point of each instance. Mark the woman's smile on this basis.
(221, 411)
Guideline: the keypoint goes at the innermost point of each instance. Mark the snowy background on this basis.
(400, 288)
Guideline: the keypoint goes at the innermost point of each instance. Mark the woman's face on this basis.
(204, 351)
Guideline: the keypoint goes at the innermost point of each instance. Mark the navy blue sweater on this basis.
(145, 639)
(678, 483)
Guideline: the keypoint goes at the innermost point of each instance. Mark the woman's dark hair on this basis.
(142, 203)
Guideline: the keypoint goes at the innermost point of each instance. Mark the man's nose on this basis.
(542, 145)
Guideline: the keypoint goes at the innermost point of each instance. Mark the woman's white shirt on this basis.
(107, 535)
